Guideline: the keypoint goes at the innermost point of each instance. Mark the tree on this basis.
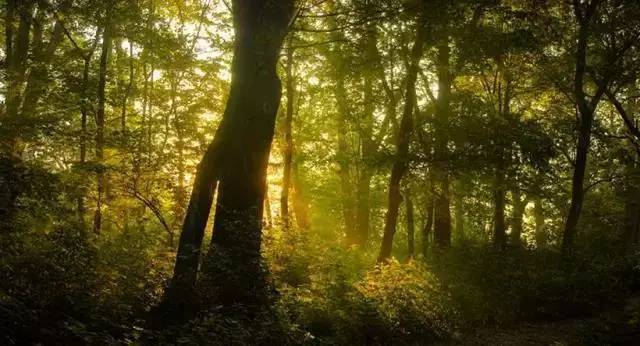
(592, 25)
(236, 160)
(100, 113)
(288, 137)
(401, 157)
(24, 89)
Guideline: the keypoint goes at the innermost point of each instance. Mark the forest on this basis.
(320, 172)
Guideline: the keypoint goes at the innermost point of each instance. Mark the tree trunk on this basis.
(343, 158)
(17, 49)
(84, 113)
(300, 204)
(401, 159)
(127, 93)
(237, 159)
(288, 140)
(268, 220)
(16, 64)
(363, 206)
(458, 204)
(519, 205)
(631, 235)
(100, 119)
(442, 213)
(499, 225)
(538, 216)
(38, 79)
(410, 223)
(180, 191)
(586, 110)
(368, 147)
(428, 225)
(344, 165)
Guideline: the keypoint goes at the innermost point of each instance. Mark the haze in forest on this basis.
(320, 172)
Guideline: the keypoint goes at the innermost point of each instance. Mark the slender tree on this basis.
(107, 38)
(411, 228)
(585, 13)
(401, 157)
(442, 200)
(288, 137)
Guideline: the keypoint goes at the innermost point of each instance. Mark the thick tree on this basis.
(236, 161)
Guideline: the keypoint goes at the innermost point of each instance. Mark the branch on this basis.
(623, 114)
(156, 211)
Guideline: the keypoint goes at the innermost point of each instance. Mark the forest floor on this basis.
(617, 326)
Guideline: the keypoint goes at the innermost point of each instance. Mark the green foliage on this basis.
(512, 115)
(65, 286)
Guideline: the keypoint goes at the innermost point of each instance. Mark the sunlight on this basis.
(378, 173)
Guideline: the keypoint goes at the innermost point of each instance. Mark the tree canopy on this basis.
(319, 171)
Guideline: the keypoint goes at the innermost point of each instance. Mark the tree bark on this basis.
(401, 159)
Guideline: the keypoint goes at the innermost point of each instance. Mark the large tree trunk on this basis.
(237, 159)
(288, 140)
(401, 160)
(100, 119)
(252, 107)
(442, 212)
